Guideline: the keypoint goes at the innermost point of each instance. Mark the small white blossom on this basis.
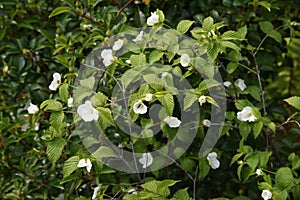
(107, 57)
(139, 107)
(55, 82)
(213, 160)
(146, 160)
(87, 112)
(258, 172)
(36, 126)
(227, 83)
(206, 123)
(32, 109)
(118, 45)
(132, 191)
(266, 194)
(70, 102)
(139, 37)
(128, 61)
(185, 60)
(85, 163)
(202, 100)
(148, 97)
(173, 122)
(246, 115)
(96, 189)
(153, 19)
(241, 84)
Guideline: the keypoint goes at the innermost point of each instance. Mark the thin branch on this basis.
(123, 7)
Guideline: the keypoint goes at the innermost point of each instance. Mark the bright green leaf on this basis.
(59, 10)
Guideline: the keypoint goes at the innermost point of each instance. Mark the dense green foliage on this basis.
(257, 41)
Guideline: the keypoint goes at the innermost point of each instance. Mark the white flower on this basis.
(153, 19)
(139, 107)
(241, 84)
(85, 163)
(32, 109)
(132, 191)
(96, 189)
(56, 82)
(107, 57)
(173, 122)
(227, 83)
(139, 37)
(87, 112)
(185, 60)
(202, 100)
(206, 123)
(36, 126)
(266, 194)
(148, 97)
(146, 160)
(258, 172)
(128, 61)
(118, 45)
(246, 115)
(212, 160)
(70, 102)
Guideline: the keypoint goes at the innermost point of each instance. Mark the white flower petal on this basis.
(206, 123)
(55, 82)
(148, 97)
(107, 57)
(241, 84)
(81, 163)
(153, 19)
(266, 194)
(173, 122)
(258, 172)
(202, 100)
(246, 115)
(139, 107)
(212, 155)
(88, 165)
(87, 112)
(139, 37)
(146, 160)
(227, 83)
(32, 109)
(132, 191)
(70, 102)
(118, 45)
(96, 189)
(185, 60)
(213, 161)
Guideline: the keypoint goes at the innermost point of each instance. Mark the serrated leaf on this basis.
(257, 128)
(56, 119)
(70, 165)
(189, 99)
(184, 25)
(104, 152)
(152, 78)
(181, 195)
(59, 10)
(51, 105)
(167, 102)
(284, 178)
(208, 24)
(88, 83)
(230, 45)
(138, 60)
(105, 117)
(63, 92)
(235, 35)
(150, 186)
(99, 99)
(54, 148)
(155, 56)
(294, 101)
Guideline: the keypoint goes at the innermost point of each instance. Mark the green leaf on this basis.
(181, 195)
(63, 92)
(88, 83)
(184, 25)
(235, 158)
(252, 160)
(104, 152)
(138, 60)
(294, 101)
(56, 119)
(275, 35)
(59, 10)
(203, 168)
(266, 27)
(151, 186)
(245, 129)
(51, 105)
(265, 4)
(155, 56)
(167, 102)
(189, 99)
(99, 99)
(208, 24)
(163, 187)
(235, 35)
(54, 148)
(257, 128)
(105, 117)
(70, 165)
(284, 178)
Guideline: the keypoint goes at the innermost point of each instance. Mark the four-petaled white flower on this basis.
(153, 19)
(87, 112)
(118, 45)
(202, 99)
(173, 122)
(146, 160)
(32, 109)
(148, 97)
(132, 191)
(107, 57)
(85, 163)
(70, 102)
(246, 115)
(212, 160)
(266, 194)
(206, 123)
(185, 60)
(241, 84)
(258, 172)
(55, 82)
(139, 107)
(227, 83)
(96, 189)
(139, 37)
